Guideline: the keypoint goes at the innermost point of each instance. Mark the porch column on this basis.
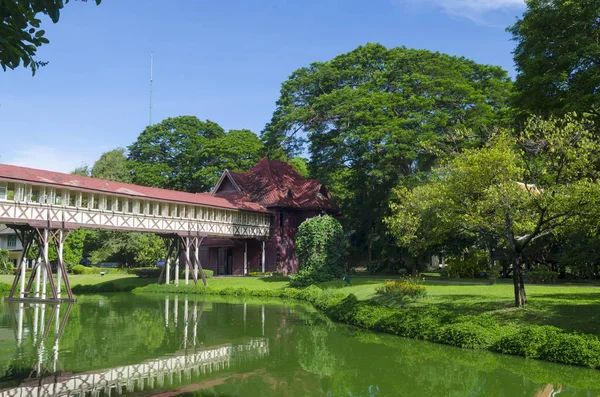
(38, 273)
(196, 257)
(168, 270)
(59, 254)
(46, 264)
(263, 256)
(245, 257)
(23, 274)
(187, 260)
(177, 268)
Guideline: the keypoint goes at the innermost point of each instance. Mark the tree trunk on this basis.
(519, 285)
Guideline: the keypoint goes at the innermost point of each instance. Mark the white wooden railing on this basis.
(228, 223)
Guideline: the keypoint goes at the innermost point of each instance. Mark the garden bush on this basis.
(408, 287)
(80, 269)
(320, 246)
(5, 263)
(466, 335)
(542, 276)
(148, 272)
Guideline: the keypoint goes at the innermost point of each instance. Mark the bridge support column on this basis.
(177, 268)
(263, 256)
(245, 257)
(26, 237)
(197, 242)
(170, 244)
(38, 271)
(59, 237)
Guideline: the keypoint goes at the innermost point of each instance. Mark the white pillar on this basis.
(59, 253)
(46, 264)
(187, 260)
(177, 269)
(23, 269)
(263, 256)
(245, 257)
(38, 273)
(196, 258)
(168, 270)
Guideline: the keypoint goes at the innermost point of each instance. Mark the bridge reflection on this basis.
(42, 325)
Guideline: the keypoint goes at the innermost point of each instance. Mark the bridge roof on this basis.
(76, 182)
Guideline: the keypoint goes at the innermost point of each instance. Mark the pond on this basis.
(126, 344)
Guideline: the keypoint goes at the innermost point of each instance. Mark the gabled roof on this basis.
(69, 181)
(273, 183)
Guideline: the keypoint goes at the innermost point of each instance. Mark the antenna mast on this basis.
(151, 61)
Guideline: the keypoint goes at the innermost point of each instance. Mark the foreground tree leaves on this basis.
(20, 33)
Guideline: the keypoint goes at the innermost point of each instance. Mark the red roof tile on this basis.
(273, 183)
(22, 174)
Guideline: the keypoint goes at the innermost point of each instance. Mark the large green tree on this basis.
(375, 116)
(20, 32)
(513, 190)
(558, 57)
(113, 166)
(184, 153)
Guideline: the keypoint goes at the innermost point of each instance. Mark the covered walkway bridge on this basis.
(43, 207)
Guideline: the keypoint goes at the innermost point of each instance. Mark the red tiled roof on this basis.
(273, 183)
(22, 174)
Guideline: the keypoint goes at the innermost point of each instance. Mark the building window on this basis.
(11, 242)
(3, 191)
(58, 197)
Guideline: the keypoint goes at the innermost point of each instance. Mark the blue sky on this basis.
(218, 60)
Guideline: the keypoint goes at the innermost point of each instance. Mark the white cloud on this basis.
(45, 158)
(475, 10)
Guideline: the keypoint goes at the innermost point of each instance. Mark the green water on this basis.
(149, 345)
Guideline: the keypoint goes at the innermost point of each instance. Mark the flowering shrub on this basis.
(408, 287)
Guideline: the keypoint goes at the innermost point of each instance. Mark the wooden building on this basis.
(288, 197)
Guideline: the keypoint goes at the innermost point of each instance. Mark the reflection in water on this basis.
(168, 345)
(193, 362)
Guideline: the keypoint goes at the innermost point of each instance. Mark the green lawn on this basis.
(568, 307)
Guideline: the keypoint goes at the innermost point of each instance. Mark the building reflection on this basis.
(42, 325)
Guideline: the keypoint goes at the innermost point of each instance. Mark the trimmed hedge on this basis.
(154, 272)
(430, 323)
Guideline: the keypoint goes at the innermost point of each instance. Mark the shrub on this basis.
(79, 269)
(5, 264)
(527, 341)
(320, 246)
(469, 267)
(542, 276)
(467, 335)
(148, 272)
(409, 287)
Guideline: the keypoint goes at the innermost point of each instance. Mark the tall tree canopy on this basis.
(184, 153)
(376, 116)
(20, 33)
(113, 166)
(558, 57)
(512, 191)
